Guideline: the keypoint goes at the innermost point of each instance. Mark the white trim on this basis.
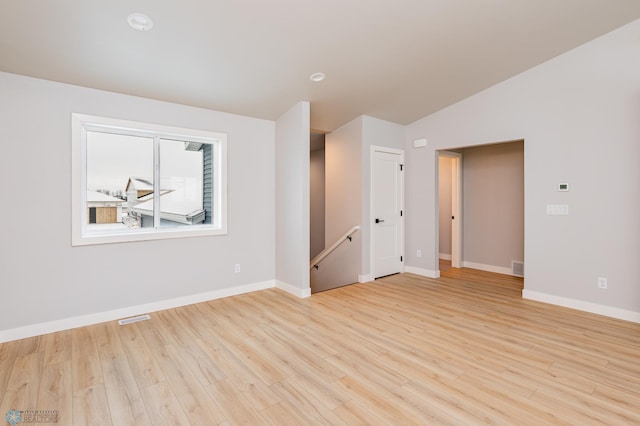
(581, 305)
(488, 268)
(292, 289)
(365, 278)
(422, 272)
(81, 123)
(90, 319)
(372, 150)
(387, 150)
(456, 205)
(445, 256)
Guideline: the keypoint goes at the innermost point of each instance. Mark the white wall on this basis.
(292, 200)
(579, 115)
(44, 279)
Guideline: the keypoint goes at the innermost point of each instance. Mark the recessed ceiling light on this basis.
(317, 76)
(140, 21)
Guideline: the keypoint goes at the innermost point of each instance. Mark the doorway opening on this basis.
(490, 199)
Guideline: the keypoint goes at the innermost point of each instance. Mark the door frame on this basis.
(373, 149)
(456, 207)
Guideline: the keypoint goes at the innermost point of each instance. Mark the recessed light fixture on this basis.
(140, 21)
(317, 76)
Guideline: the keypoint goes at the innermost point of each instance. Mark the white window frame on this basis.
(80, 235)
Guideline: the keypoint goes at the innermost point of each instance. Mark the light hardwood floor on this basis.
(464, 349)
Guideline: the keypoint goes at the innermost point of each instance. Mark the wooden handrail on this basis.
(326, 252)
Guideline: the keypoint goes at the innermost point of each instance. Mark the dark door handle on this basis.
(379, 220)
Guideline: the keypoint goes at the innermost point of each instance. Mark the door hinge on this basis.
(401, 167)
(400, 258)
(401, 213)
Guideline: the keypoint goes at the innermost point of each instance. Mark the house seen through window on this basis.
(136, 181)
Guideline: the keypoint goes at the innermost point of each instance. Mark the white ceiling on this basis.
(396, 60)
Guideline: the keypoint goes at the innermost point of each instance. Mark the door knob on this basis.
(379, 220)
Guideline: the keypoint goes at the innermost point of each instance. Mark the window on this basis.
(137, 181)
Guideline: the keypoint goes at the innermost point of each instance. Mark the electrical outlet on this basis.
(602, 283)
(419, 253)
(237, 268)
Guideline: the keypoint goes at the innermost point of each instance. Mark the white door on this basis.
(387, 230)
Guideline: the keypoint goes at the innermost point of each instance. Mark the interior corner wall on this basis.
(343, 182)
(493, 206)
(292, 200)
(348, 158)
(579, 116)
(45, 280)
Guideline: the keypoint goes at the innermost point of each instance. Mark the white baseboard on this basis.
(292, 289)
(488, 268)
(445, 256)
(580, 305)
(423, 272)
(365, 278)
(90, 319)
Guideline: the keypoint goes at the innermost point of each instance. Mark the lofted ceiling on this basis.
(395, 60)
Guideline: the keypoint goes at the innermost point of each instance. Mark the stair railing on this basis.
(326, 252)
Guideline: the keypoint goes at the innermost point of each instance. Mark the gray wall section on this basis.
(343, 206)
(343, 168)
(579, 117)
(46, 279)
(316, 176)
(493, 204)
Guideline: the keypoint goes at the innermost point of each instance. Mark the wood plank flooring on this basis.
(463, 349)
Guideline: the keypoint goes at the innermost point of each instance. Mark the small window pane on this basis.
(119, 177)
(181, 183)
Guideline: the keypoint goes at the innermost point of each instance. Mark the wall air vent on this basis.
(131, 320)
(517, 268)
